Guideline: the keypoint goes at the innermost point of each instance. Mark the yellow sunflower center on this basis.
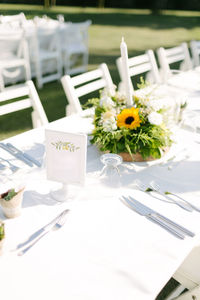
(129, 118)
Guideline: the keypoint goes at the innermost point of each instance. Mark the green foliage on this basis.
(183, 106)
(167, 193)
(9, 195)
(2, 231)
(148, 190)
(65, 146)
(142, 83)
(147, 140)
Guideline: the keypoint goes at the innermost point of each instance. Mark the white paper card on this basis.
(66, 156)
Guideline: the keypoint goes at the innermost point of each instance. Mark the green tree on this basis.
(157, 5)
(46, 3)
(101, 3)
(53, 2)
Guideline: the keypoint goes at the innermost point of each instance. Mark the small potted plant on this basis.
(11, 202)
(2, 236)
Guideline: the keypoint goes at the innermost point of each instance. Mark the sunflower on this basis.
(129, 118)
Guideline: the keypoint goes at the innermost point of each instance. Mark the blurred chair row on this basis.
(43, 48)
(187, 77)
(179, 56)
(77, 86)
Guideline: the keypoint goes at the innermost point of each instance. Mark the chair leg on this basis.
(175, 293)
(193, 294)
(38, 74)
(35, 119)
(59, 64)
(27, 71)
(69, 110)
(85, 60)
(66, 63)
(1, 81)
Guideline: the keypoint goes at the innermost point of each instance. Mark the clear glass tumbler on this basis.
(110, 173)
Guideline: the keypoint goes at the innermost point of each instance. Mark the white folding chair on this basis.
(74, 47)
(141, 64)
(179, 54)
(195, 50)
(45, 54)
(188, 276)
(14, 57)
(32, 99)
(60, 18)
(13, 20)
(80, 85)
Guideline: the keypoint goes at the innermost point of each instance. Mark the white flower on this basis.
(121, 98)
(108, 120)
(107, 102)
(109, 125)
(155, 105)
(108, 115)
(155, 118)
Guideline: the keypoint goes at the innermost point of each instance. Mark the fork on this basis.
(142, 187)
(12, 167)
(59, 223)
(187, 206)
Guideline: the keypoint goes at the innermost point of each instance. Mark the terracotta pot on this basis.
(138, 157)
(12, 208)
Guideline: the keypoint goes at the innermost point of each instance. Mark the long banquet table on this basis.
(105, 250)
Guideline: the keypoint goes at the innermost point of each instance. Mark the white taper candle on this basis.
(125, 70)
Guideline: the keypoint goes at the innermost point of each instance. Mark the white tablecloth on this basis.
(105, 250)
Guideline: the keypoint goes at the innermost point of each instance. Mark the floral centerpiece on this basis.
(136, 133)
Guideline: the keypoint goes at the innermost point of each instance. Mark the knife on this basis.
(169, 221)
(154, 218)
(32, 159)
(16, 154)
(40, 232)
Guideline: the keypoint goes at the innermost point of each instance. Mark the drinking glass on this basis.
(110, 173)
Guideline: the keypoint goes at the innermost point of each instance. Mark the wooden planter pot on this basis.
(138, 157)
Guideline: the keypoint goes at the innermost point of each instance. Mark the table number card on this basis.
(66, 156)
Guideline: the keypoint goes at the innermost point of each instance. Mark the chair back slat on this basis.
(90, 87)
(174, 50)
(175, 58)
(15, 106)
(12, 92)
(195, 50)
(80, 85)
(139, 69)
(137, 60)
(85, 77)
(30, 99)
(179, 54)
(144, 63)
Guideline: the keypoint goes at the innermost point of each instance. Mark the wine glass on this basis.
(110, 174)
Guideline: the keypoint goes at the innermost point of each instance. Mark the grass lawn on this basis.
(141, 31)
